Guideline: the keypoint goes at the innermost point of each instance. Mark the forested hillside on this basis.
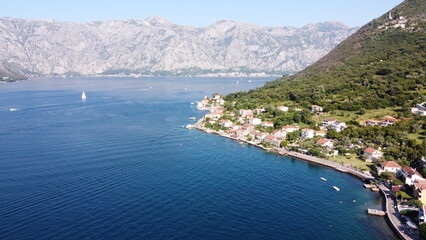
(381, 65)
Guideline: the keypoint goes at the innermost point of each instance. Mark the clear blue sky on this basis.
(201, 13)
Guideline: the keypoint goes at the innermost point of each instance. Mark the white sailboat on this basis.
(83, 96)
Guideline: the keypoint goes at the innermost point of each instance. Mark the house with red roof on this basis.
(260, 135)
(320, 133)
(225, 122)
(389, 120)
(279, 134)
(214, 115)
(219, 109)
(410, 175)
(248, 127)
(328, 122)
(232, 133)
(307, 133)
(316, 108)
(290, 128)
(245, 112)
(255, 121)
(338, 126)
(272, 140)
(234, 127)
(372, 154)
(240, 119)
(388, 166)
(325, 143)
(241, 133)
(267, 124)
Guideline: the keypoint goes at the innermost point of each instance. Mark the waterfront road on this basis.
(394, 216)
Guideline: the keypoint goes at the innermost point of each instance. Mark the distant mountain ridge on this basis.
(155, 45)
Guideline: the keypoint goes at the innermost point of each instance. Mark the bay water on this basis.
(120, 166)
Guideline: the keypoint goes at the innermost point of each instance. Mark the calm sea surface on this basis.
(120, 166)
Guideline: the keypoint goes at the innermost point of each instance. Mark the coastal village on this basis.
(407, 189)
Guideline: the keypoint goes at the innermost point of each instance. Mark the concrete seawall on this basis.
(323, 162)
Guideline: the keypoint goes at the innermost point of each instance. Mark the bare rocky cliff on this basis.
(47, 47)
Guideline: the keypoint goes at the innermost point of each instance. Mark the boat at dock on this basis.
(324, 179)
(189, 126)
(336, 188)
(192, 118)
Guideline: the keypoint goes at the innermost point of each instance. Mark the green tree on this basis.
(388, 176)
(397, 182)
(415, 202)
(292, 136)
(422, 230)
(315, 152)
(284, 144)
(402, 195)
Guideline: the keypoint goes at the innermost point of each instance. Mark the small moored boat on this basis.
(83, 96)
(336, 188)
(192, 118)
(324, 179)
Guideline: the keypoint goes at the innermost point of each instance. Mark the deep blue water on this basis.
(119, 166)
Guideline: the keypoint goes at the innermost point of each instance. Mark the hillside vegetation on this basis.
(378, 71)
(381, 65)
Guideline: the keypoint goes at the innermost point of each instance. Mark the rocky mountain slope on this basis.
(156, 45)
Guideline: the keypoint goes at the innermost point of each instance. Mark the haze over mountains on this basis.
(159, 47)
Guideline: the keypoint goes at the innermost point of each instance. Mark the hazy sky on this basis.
(201, 13)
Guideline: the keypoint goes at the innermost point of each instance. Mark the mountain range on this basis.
(157, 46)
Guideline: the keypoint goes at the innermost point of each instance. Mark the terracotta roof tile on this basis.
(390, 164)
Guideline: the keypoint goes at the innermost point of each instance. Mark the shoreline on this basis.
(283, 152)
(391, 216)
